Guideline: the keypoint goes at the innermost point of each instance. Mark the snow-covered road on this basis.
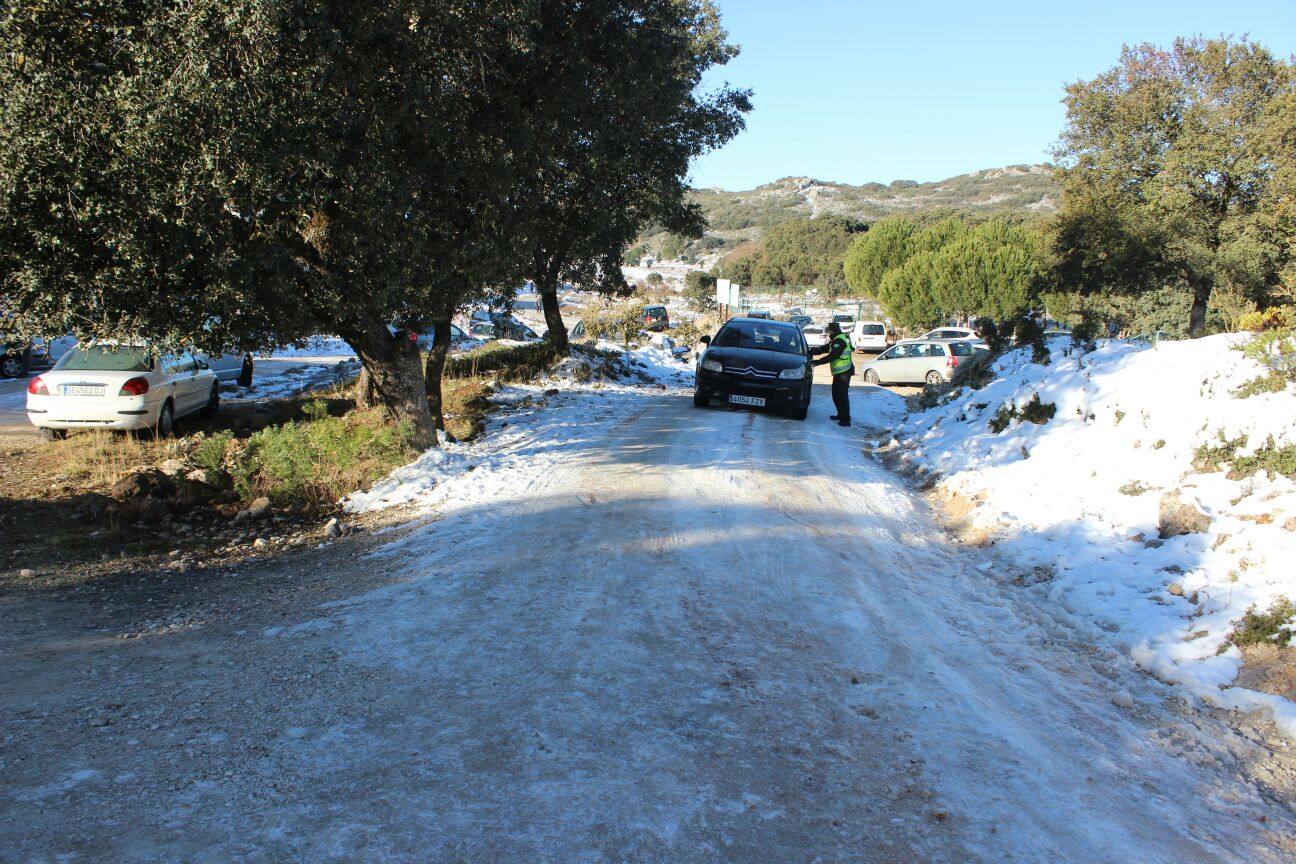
(681, 636)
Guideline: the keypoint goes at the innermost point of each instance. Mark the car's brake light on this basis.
(37, 387)
(137, 386)
(951, 362)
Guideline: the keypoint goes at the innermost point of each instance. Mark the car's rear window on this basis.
(105, 358)
(872, 330)
(767, 337)
(960, 349)
(655, 311)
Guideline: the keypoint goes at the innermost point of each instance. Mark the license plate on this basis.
(83, 390)
(758, 401)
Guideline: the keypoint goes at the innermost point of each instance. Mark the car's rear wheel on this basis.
(12, 366)
(800, 412)
(871, 377)
(212, 408)
(935, 379)
(53, 434)
(700, 399)
(165, 422)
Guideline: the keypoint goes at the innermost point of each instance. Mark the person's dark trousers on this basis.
(841, 396)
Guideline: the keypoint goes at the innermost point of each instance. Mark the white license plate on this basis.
(747, 400)
(83, 390)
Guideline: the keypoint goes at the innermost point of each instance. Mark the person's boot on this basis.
(843, 423)
(832, 416)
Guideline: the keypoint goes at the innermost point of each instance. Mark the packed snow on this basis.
(546, 419)
(1075, 501)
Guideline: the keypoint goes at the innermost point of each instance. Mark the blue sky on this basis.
(862, 90)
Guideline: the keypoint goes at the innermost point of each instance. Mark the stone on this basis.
(137, 484)
(171, 467)
(1122, 699)
(1175, 589)
(1290, 524)
(332, 529)
(260, 543)
(259, 507)
(200, 475)
(1178, 516)
(27, 573)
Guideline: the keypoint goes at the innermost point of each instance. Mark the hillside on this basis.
(735, 217)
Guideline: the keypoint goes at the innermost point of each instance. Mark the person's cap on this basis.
(834, 327)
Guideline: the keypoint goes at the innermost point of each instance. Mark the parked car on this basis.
(656, 318)
(919, 361)
(15, 359)
(760, 314)
(815, 336)
(872, 336)
(426, 338)
(845, 320)
(103, 385)
(800, 320)
(949, 333)
(758, 363)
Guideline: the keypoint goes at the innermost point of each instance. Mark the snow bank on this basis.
(1075, 501)
(549, 420)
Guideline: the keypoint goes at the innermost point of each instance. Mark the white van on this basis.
(872, 336)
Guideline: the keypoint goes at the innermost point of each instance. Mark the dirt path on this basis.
(680, 636)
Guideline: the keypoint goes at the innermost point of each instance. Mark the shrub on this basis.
(1277, 318)
(1271, 458)
(1003, 418)
(1029, 332)
(318, 459)
(1275, 349)
(995, 336)
(212, 453)
(1133, 488)
(510, 362)
(1037, 412)
(1272, 382)
(620, 322)
(1084, 334)
(1266, 628)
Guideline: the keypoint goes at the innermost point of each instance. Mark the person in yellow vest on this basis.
(838, 357)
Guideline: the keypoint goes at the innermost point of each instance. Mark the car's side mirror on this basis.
(203, 364)
(705, 340)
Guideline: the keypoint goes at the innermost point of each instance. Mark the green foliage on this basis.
(924, 275)
(1266, 628)
(212, 452)
(1275, 350)
(616, 322)
(1176, 174)
(1002, 418)
(1037, 412)
(1034, 411)
(1028, 331)
(1133, 488)
(699, 290)
(1271, 458)
(654, 278)
(886, 246)
(320, 458)
(509, 362)
(801, 251)
(1271, 382)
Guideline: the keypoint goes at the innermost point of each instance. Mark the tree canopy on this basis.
(249, 172)
(1175, 166)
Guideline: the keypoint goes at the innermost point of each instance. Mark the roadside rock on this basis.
(1178, 517)
(1123, 699)
(332, 529)
(259, 508)
(172, 467)
(150, 482)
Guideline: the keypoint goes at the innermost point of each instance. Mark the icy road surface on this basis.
(672, 635)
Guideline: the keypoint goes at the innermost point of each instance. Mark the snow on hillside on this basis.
(547, 420)
(1074, 503)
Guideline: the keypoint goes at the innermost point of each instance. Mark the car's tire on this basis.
(871, 377)
(13, 366)
(165, 425)
(800, 412)
(52, 434)
(212, 408)
(935, 379)
(700, 399)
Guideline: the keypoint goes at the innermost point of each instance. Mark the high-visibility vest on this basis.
(843, 360)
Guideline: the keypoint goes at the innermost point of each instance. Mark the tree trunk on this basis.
(365, 396)
(434, 366)
(397, 375)
(1201, 291)
(245, 372)
(548, 290)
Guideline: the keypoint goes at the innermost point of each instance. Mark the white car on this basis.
(919, 361)
(872, 336)
(815, 336)
(949, 333)
(122, 387)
